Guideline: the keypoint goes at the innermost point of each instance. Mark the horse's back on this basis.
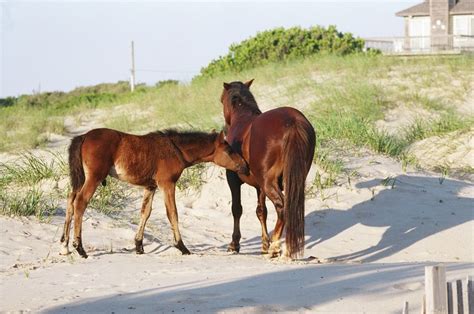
(268, 135)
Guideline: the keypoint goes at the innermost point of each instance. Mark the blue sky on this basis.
(59, 45)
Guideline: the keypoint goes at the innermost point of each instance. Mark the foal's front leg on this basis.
(145, 214)
(172, 213)
(234, 184)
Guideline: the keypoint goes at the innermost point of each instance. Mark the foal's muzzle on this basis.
(243, 170)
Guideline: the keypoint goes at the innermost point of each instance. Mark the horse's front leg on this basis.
(145, 214)
(234, 184)
(172, 213)
(262, 217)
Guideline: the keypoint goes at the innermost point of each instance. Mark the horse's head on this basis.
(236, 94)
(226, 157)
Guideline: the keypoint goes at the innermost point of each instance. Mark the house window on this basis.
(419, 31)
(463, 26)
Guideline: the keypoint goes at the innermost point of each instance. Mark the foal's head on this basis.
(226, 157)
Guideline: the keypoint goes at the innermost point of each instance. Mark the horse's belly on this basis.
(120, 173)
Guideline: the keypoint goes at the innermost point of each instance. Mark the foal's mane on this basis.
(245, 99)
(186, 137)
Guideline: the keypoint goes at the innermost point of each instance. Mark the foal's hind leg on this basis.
(145, 214)
(172, 213)
(262, 217)
(80, 203)
(67, 224)
(235, 183)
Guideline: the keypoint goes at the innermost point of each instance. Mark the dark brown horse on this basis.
(278, 146)
(153, 160)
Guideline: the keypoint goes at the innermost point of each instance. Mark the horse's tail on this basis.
(76, 170)
(298, 154)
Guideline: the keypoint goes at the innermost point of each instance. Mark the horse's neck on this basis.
(242, 117)
(239, 125)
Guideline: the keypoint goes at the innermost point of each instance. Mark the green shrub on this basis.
(281, 44)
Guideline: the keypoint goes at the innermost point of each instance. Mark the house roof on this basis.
(423, 9)
(463, 7)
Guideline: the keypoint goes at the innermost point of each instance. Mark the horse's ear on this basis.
(249, 83)
(213, 131)
(226, 86)
(221, 137)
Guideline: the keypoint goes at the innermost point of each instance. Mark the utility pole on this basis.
(132, 70)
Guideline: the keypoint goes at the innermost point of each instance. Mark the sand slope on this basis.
(373, 239)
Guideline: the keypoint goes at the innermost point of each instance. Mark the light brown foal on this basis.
(153, 160)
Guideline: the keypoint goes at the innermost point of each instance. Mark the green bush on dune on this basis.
(281, 44)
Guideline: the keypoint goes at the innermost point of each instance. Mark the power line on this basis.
(165, 71)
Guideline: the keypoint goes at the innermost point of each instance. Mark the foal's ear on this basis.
(221, 137)
(226, 86)
(249, 83)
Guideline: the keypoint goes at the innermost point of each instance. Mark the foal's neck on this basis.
(194, 152)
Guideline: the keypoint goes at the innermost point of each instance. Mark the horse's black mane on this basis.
(245, 97)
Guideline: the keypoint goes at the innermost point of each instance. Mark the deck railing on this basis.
(421, 44)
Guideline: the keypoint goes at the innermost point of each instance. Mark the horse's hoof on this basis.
(232, 248)
(186, 252)
(274, 250)
(140, 252)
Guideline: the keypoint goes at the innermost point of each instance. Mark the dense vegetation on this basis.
(281, 44)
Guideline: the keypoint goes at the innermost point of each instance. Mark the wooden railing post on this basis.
(435, 290)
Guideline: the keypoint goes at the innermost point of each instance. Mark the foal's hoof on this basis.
(180, 246)
(80, 250)
(139, 247)
(233, 248)
(64, 251)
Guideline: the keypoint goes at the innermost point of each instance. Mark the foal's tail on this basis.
(298, 153)
(76, 170)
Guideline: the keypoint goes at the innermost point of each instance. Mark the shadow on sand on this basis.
(415, 208)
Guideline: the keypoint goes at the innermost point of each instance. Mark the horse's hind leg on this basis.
(145, 214)
(80, 203)
(274, 193)
(262, 217)
(235, 183)
(172, 213)
(67, 224)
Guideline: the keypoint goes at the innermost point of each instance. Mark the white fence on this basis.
(441, 297)
(421, 44)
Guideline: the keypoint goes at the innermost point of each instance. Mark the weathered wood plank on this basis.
(470, 295)
(405, 308)
(451, 297)
(435, 290)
